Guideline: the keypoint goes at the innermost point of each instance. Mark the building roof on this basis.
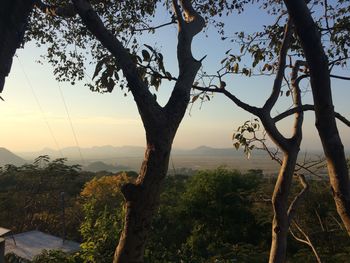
(27, 245)
(4, 231)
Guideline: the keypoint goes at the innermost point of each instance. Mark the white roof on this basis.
(4, 231)
(30, 244)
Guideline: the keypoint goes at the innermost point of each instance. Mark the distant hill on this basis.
(207, 151)
(7, 157)
(101, 166)
(108, 152)
(93, 153)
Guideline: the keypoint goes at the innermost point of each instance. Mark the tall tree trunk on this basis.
(142, 199)
(281, 222)
(161, 123)
(13, 21)
(317, 60)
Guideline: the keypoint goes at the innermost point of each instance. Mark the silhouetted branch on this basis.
(308, 107)
(271, 101)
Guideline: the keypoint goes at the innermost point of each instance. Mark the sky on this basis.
(38, 111)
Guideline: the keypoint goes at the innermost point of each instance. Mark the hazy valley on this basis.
(113, 159)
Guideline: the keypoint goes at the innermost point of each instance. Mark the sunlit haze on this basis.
(34, 116)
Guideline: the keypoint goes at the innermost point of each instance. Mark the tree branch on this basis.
(306, 241)
(299, 115)
(271, 101)
(149, 109)
(339, 77)
(154, 27)
(308, 107)
(188, 66)
(296, 201)
(251, 109)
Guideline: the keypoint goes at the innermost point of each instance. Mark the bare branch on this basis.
(296, 201)
(339, 77)
(154, 27)
(299, 115)
(253, 110)
(306, 241)
(319, 220)
(308, 107)
(281, 67)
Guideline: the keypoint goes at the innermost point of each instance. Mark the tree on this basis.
(102, 203)
(13, 22)
(283, 212)
(318, 64)
(254, 45)
(160, 123)
(155, 118)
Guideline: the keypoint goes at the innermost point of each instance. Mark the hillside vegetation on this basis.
(213, 216)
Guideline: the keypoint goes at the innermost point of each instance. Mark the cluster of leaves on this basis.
(335, 28)
(247, 135)
(151, 67)
(257, 53)
(71, 48)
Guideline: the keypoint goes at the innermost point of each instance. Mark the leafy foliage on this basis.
(30, 195)
(216, 222)
(53, 256)
(212, 216)
(103, 210)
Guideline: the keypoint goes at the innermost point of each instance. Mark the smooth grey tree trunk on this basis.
(281, 221)
(317, 60)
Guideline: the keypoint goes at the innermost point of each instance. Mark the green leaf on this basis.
(146, 55)
(98, 67)
(223, 61)
(149, 47)
(195, 98)
(235, 68)
(222, 84)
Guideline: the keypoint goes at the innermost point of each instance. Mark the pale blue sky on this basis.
(101, 119)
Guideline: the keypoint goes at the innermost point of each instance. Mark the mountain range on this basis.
(108, 152)
(111, 158)
(7, 157)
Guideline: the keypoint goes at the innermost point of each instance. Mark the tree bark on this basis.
(281, 222)
(317, 60)
(142, 199)
(13, 21)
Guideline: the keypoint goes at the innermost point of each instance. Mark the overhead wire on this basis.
(71, 123)
(40, 107)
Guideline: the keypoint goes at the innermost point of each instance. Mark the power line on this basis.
(40, 107)
(70, 123)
